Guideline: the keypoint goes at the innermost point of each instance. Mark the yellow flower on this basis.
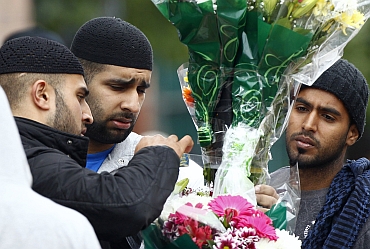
(355, 20)
(303, 7)
(358, 19)
(322, 8)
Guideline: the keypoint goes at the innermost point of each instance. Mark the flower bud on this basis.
(269, 6)
(303, 8)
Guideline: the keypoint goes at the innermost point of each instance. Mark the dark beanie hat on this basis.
(37, 55)
(346, 82)
(110, 40)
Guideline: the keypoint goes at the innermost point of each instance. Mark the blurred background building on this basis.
(164, 110)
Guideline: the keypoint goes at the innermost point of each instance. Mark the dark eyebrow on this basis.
(127, 82)
(331, 110)
(325, 109)
(303, 101)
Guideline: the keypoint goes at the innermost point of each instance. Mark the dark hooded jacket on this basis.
(116, 205)
(27, 219)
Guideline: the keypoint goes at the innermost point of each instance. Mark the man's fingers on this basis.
(265, 200)
(263, 209)
(173, 138)
(266, 190)
(186, 143)
(266, 196)
(179, 146)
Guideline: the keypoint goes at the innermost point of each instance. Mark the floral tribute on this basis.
(224, 222)
(245, 59)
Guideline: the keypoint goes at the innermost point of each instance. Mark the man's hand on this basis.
(266, 196)
(181, 146)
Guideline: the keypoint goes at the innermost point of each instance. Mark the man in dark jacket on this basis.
(44, 83)
(117, 59)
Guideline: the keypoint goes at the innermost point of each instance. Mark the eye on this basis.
(117, 87)
(328, 117)
(301, 108)
(81, 97)
(141, 89)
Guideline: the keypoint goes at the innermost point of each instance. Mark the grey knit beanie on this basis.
(37, 55)
(110, 40)
(346, 82)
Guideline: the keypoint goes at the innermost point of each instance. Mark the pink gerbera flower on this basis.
(259, 221)
(229, 206)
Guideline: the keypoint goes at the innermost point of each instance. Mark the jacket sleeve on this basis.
(116, 205)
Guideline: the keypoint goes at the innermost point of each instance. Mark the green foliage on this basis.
(160, 31)
(66, 16)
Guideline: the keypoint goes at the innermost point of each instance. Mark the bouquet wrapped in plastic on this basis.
(192, 220)
(245, 60)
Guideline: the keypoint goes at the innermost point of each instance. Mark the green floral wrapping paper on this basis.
(213, 44)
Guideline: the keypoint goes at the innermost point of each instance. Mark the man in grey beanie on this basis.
(326, 119)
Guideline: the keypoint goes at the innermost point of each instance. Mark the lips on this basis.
(122, 124)
(304, 142)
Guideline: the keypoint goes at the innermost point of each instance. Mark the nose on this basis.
(310, 122)
(87, 117)
(131, 101)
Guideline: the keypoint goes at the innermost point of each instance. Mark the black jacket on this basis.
(116, 205)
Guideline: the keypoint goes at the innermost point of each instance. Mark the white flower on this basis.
(285, 241)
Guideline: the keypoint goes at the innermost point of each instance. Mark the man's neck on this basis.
(95, 147)
(318, 178)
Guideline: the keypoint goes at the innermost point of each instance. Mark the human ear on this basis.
(352, 135)
(41, 94)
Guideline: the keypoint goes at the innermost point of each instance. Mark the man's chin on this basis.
(108, 139)
(307, 163)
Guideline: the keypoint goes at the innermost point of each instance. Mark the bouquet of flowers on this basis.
(193, 221)
(245, 58)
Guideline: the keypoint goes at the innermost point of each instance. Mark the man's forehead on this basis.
(320, 98)
(127, 73)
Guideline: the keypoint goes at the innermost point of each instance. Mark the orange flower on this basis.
(186, 93)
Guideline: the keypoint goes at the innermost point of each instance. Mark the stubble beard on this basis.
(63, 120)
(324, 157)
(99, 131)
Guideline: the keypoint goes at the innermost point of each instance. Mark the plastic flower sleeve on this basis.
(256, 86)
(212, 154)
(284, 213)
(340, 21)
(212, 41)
(246, 149)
